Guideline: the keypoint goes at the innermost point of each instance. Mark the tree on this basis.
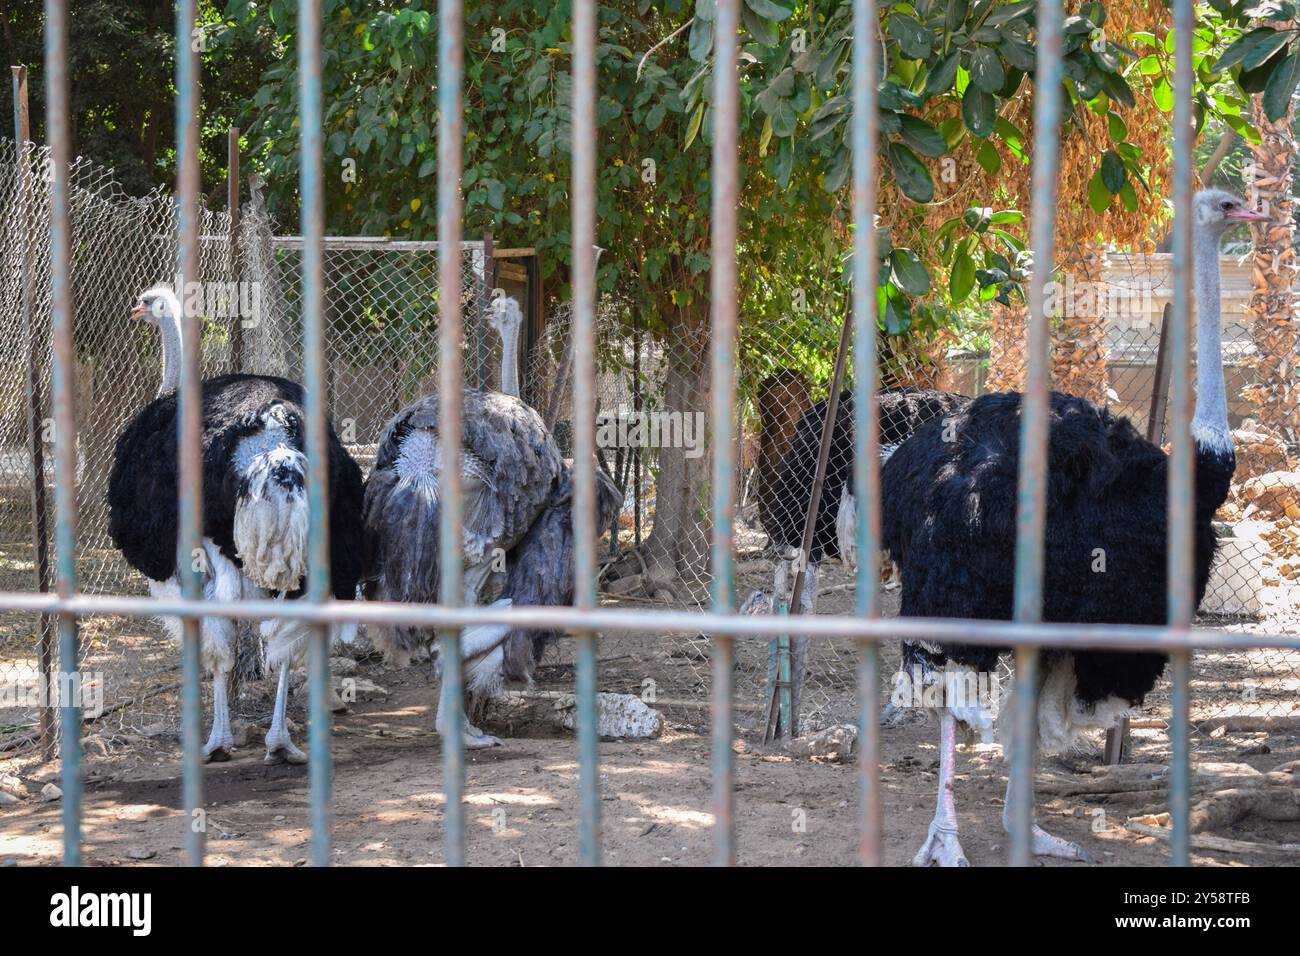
(954, 76)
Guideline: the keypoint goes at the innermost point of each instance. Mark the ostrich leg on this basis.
(221, 741)
(941, 844)
(279, 745)
(1043, 843)
(481, 661)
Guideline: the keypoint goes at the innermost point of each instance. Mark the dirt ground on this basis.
(387, 806)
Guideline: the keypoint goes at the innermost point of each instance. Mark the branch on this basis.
(668, 39)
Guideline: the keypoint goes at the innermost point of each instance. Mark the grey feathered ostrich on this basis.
(950, 523)
(255, 512)
(539, 570)
(509, 468)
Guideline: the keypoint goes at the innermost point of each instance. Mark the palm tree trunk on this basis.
(1268, 312)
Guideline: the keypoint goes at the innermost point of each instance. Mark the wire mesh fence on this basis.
(381, 321)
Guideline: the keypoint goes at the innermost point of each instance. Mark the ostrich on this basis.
(254, 513)
(510, 467)
(784, 509)
(950, 524)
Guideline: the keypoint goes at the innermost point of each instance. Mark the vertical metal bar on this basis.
(866, 413)
(232, 206)
(35, 406)
(188, 422)
(311, 189)
(725, 173)
(584, 417)
(450, 120)
(1031, 515)
(58, 127)
(484, 297)
(1181, 474)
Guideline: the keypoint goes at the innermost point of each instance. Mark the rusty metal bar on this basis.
(58, 127)
(1031, 515)
(312, 193)
(35, 404)
(820, 626)
(450, 382)
(725, 174)
(866, 414)
(1182, 602)
(584, 417)
(190, 472)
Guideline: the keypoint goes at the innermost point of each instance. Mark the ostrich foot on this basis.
(281, 749)
(941, 848)
(475, 739)
(220, 741)
(1044, 844)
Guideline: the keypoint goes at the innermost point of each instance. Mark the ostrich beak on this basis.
(139, 311)
(1245, 215)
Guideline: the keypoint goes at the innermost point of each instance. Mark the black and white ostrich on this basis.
(784, 510)
(950, 523)
(255, 513)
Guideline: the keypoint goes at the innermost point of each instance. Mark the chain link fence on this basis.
(652, 393)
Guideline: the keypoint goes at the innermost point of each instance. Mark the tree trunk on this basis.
(1079, 338)
(1007, 348)
(677, 550)
(1268, 312)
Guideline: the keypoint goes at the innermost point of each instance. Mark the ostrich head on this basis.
(1214, 211)
(160, 306)
(507, 318)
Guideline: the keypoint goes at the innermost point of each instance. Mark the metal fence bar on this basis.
(866, 414)
(35, 402)
(584, 417)
(725, 174)
(58, 126)
(1145, 637)
(317, 438)
(1182, 603)
(450, 120)
(190, 471)
(1031, 513)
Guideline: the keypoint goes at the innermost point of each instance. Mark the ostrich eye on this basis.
(1228, 205)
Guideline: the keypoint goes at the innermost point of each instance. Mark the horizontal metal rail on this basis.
(1133, 637)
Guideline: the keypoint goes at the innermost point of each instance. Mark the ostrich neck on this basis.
(169, 327)
(1210, 424)
(510, 361)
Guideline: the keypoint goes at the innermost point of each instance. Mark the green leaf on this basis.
(1117, 128)
(955, 15)
(909, 272)
(1113, 174)
(978, 111)
(765, 8)
(693, 127)
(914, 40)
(942, 74)
(910, 173)
(962, 278)
(784, 119)
(1018, 53)
(763, 30)
(1281, 86)
(1163, 95)
(701, 40)
(783, 162)
(922, 137)
(838, 169)
(1251, 50)
(1011, 11)
(989, 157)
(654, 116)
(1098, 195)
(986, 70)
(1128, 196)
